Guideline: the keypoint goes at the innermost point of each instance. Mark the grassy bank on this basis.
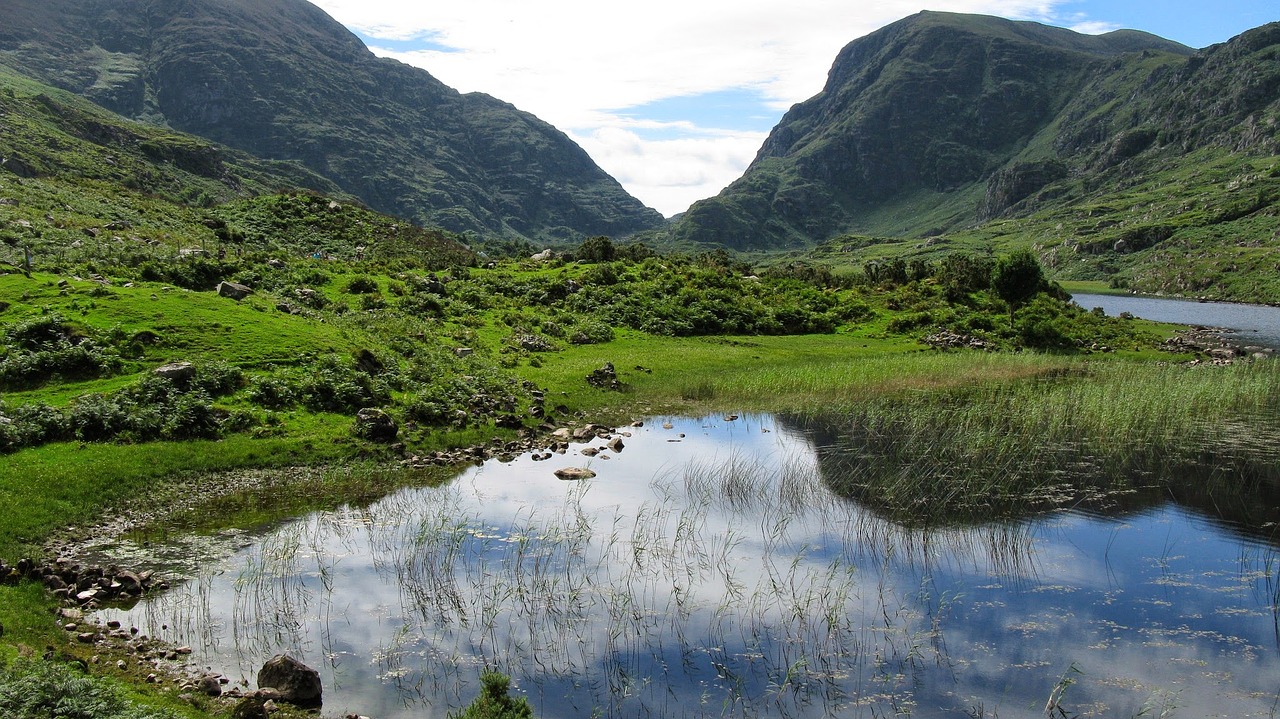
(987, 450)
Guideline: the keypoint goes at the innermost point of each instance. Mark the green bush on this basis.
(46, 347)
(362, 285)
(495, 701)
(338, 386)
(32, 689)
(273, 392)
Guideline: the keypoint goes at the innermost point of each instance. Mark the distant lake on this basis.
(1250, 324)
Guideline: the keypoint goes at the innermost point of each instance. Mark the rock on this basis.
(574, 473)
(376, 426)
(463, 351)
(234, 291)
(129, 582)
(534, 343)
(605, 378)
(209, 685)
(590, 451)
(543, 256)
(615, 444)
(252, 707)
(176, 371)
(297, 683)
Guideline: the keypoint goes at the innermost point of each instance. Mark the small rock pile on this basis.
(1209, 343)
(946, 339)
(606, 378)
(86, 585)
(549, 442)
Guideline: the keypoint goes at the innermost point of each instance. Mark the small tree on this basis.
(1016, 278)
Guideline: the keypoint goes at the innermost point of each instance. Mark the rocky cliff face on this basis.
(282, 80)
(949, 112)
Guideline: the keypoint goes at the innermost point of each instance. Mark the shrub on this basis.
(335, 386)
(495, 701)
(31, 689)
(273, 392)
(362, 285)
(590, 332)
(1017, 277)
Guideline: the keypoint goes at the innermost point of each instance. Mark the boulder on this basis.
(209, 685)
(297, 683)
(176, 371)
(234, 291)
(574, 473)
(253, 707)
(376, 426)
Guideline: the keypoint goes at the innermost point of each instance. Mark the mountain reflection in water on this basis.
(714, 574)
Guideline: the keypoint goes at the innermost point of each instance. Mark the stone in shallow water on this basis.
(297, 683)
(573, 473)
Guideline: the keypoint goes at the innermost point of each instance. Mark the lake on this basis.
(708, 571)
(1251, 324)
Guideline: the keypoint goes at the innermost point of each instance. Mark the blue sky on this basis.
(674, 97)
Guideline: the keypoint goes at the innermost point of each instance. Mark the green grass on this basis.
(65, 484)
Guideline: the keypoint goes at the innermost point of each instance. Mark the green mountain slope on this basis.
(79, 184)
(913, 120)
(1121, 156)
(282, 80)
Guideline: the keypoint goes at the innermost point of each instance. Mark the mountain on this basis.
(284, 81)
(940, 122)
(83, 187)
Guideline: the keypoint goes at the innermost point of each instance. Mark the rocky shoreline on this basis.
(79, 577)
(1210, 345)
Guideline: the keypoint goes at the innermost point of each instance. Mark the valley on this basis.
(830, 415)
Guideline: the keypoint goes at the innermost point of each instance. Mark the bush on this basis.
(335, 386)
(45, 347)
(273, 392)
(495, 701)
(362, 285)
(590, 332)
(31, 689)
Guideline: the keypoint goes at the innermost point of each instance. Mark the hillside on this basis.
(282, 80)
(79, 184)
(1121, 156)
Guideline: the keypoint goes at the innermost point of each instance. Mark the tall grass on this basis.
(941, 456)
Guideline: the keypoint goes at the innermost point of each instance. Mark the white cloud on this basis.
(578, 63)
(669, 174)
(1094, 28)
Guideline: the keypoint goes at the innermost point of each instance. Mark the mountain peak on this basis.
(922, 111)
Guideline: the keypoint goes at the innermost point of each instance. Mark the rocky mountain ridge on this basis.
(942, 122)
(284, 81)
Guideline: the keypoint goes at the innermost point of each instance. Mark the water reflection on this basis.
(713, 574)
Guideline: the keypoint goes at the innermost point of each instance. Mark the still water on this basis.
(1249, 324)
(707, 571)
